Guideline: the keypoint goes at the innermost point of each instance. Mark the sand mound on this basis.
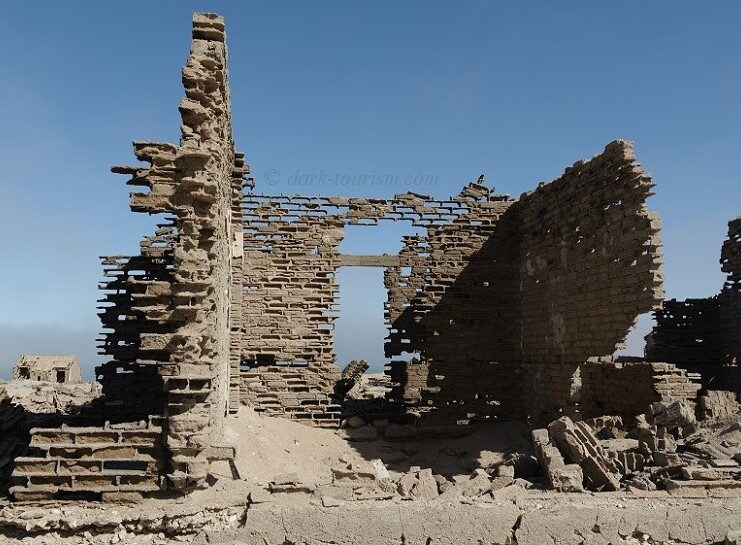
(269, 446)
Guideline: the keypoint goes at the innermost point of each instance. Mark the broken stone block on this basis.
(121, 497)
(352, 475)
(379, 470)
(500, 482)
(329, 501)
(475, 487)
(679, 415)
(702, 489)
(387, 485)
(426, 487)
(355, 422)
(440, 480)
(562, 477)
(665, 459)
(286, 478)
(702, 473)
(289, 488)
(343, 493)
(598, 476)
(506, 471)
(447, 488)
(365, 433)
(717, 404)
(406, 484)
(568, 478)
(372, 493)
(652, 440)
(259, 495)
(510, 492)
(641, 482)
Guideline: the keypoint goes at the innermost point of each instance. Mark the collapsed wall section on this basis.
(628, 388)
(704, 335)
(589, 266)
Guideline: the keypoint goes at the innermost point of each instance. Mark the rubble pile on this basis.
(667, 448)
(373, 481)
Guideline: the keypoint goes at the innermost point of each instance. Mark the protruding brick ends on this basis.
(168, 312)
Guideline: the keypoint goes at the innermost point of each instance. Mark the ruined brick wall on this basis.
(686, 332)
(291, 259)
(704, 332)
(195, 182)
(730, 295)
(627, 389)
(494, 291)
(118, 461)
(289, 293)
(589, 265)
(458, 311)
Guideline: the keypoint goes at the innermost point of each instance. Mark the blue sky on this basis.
(441, 90)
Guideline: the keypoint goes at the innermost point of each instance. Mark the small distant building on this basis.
(47, 368)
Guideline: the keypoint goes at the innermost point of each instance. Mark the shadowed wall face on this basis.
(589, 266)
(458, 311)
(704, 335)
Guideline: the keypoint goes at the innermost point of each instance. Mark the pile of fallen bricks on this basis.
(373, 481)
(667, 448)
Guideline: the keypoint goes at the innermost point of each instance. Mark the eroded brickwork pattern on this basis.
(461, 292)
(291, 290)
(589, 265)
(627, 389)
(702, 332)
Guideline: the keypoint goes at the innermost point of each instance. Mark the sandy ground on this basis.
(267, 447)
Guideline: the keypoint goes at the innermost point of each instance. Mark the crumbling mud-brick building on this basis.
(497, 310)
(47, 368)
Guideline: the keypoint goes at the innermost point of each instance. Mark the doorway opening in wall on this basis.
(635, 343)
(360, 330)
